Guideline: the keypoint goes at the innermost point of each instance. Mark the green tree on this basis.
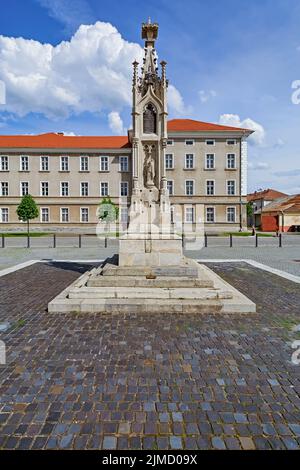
(250, 210)
(108, 211)
(27, 210)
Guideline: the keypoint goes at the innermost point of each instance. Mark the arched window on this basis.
(149, 119)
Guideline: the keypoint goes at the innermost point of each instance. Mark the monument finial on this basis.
(149, 32)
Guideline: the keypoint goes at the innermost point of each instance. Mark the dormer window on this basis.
(149, 119)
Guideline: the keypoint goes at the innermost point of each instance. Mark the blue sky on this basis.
(228, 61)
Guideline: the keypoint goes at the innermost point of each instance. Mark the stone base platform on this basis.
(188, 288)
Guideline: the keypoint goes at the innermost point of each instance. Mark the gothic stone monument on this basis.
(151, 273)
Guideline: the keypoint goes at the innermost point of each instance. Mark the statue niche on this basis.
(149, 119)
(149, 166)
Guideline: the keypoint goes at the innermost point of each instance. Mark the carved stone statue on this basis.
(149, 167)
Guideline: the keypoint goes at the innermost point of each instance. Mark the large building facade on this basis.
(201, 165)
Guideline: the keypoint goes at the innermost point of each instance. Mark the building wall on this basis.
(220, 200)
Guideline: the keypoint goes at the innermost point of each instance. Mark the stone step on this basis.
(169, 271)
(153, 306)
(139, 281)
(147, 293)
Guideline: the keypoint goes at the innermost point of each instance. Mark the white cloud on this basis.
(258, 138)
(116, 123)
(258, 166)
(91, 72)
(206, 95)
(69, 12)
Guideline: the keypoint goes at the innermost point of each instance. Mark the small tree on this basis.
(27, 210)
(250, 210)
(108, 211)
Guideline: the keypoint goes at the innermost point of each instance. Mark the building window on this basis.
(189, 142)
(44, 214)
(210, 188)
(124, 188)
(84, 163)
(231, 188)
(210, 161)
(84, 214)
(231, 214)
(123, 161)
(64, 189)
(170, 142)
(124, 215)
(189, 188)
(189, 161)
(44, 189)
(44, 163)
(64, 163)
(210, 214)
(64, 214)
(24, 163)
(169, 161)
(231, 142)
(170, 187)
(104, 164)
(4, 188)
(24, 188)
(4, 215)
(210, 142)
(103, 189)
(84, 189)
(4, 163)
(231, 161)
(189, 215)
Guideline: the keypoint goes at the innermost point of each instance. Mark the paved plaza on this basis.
(148, 382)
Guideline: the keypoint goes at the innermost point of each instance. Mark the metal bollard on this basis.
(79, 241)
(105, 242)
(280, 240)
(28, 241)
(54, 240)
(231, 240)
(3, 241)
(256, 241)
(205, 240)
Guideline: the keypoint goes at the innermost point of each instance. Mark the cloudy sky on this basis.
(66, 66)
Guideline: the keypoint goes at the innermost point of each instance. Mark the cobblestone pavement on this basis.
(159, 382)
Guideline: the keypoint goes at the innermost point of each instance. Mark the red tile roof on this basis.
(189, 125)
(267, 194)
(53, 140)
(59, 140)
(285, 204)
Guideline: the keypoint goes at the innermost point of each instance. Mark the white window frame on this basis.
(122, 218)
(214, 215)
(171, 181)
(170, 142)
(6, 183)
(233, 140)
(101, 159)
(64, 158)
(21, 189)
(210, 140)
(84, 158)
(227, 212)
(4, 158)
(104, 182)
(26, 157)
(41, 162)
(41, 190)
(61, 189)
(206, 187)
(185, 187)
(41, 215)
(186, 209)
(214, 158)
(191, 144)
(193, 161)
(227, 187)
(125, 157)
(6, 209)
(88, 215)
(173, 161)
(127, 190)
(227, 160)
(61, 213)
(86, 184)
